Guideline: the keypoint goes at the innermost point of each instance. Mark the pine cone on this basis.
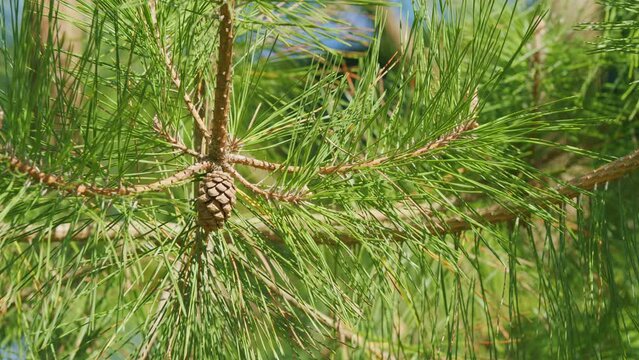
(216, 200)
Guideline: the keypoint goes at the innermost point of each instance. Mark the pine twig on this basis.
(82, 189)
(260, 164)
(175, 77)
(441, 142)
(199, 140)
(268, 194)
(223, 82)
(538, 62)
(135, 230)
(175, 142)
(170, 181)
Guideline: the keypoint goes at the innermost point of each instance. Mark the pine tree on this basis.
(252, 179)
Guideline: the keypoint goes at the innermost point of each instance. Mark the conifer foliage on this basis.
(211, 179)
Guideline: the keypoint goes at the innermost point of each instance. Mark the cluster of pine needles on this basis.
(210, 179)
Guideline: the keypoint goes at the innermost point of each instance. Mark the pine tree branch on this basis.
(268, 194)
(175, 77)
(489, 215)
(175, 142)
(590, 181)
(441, 142)
(223, 82)
(492, 214)
(82, 189)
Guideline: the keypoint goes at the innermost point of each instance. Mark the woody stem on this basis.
(223, 82)
(438, 143)
(294, 197)
(83, 189)
(175, 77)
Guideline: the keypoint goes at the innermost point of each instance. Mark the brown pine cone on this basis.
(216, 200)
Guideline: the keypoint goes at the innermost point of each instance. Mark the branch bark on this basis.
(590, 181)
(223, 83)
(538, 62)
(175, 142)
(175, 77)
(268, 194)
(82, 189)
(441, 142)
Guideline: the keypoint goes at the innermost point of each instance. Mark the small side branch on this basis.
(223, 82)
(81, 189)
(260, 164)
(175, 77)
(344, 168)
(538, 62)
(496, 214)
(174, 141)
(135, 230)
(173, 180)
(268, 194)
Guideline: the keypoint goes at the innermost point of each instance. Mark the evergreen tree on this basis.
(254, 179)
